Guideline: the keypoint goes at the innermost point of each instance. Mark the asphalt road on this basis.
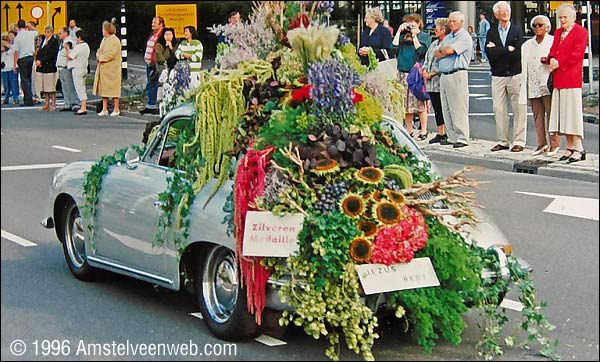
(41, 302)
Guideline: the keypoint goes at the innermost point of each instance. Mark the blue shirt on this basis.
(463, 48)
(484, 26)
(503, 33)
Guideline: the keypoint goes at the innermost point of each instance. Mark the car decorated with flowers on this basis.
(288, 183)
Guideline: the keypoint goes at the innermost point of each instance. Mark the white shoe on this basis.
(103, 114)
(115, 114)
(553, 152)
(540, 150)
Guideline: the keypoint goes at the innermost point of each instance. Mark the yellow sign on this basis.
(43, 13)
(178, 16)
(555, 4)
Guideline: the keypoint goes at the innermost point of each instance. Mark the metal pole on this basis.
(123, 41)
(590, 56)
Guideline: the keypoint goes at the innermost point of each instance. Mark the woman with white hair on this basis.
(566, 63)
(534, 84)
(375, 36)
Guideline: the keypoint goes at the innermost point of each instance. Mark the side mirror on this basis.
(132, 158)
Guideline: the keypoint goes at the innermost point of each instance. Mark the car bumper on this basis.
(47, 222)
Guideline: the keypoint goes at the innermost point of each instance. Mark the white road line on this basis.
(66, 149)
(269, 341)
(32, 167)
(484, 98)
(512, 304)
(584, 208)
(17, 239)
(476, 95)
(197, 315)
(480, 86)
(491, 114)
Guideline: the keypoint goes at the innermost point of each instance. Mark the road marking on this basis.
(37, 106)
(480, 86)
(66, 149)
(476, 95)
(483, 98)
(584, 208)
(512, 304)
(32, 167)
(17, 239)
(197, 315)
(492, 114)
(269, 341)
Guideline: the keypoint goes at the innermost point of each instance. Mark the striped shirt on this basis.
(195, 49)
(150, 54)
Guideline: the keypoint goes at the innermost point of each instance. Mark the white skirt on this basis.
(566, 113)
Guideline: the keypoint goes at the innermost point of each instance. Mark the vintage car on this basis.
(125, 228)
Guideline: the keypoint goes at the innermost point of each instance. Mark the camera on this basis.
(407, 29)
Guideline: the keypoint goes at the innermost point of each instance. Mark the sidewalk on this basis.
(478, 154)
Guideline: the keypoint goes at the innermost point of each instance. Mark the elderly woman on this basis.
(107, 82)
(566, 62)
(534, 84)
(375, 36)
(431, 73)
(413, 44)
(46, 66)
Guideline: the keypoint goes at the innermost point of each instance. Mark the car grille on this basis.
(439, 205)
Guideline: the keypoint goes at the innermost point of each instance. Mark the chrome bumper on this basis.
(47, 222)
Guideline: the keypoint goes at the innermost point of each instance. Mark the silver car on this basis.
(125, 225)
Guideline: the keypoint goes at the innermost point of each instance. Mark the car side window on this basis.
(164, 143)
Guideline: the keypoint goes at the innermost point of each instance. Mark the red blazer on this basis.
(569, 54)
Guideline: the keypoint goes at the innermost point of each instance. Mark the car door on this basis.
(128, 209)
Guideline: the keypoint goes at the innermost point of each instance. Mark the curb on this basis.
(590, 118)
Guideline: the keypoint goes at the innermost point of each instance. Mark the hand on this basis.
(363, 51)
(490, 45)
(511, 48)
(415, 30)
(38, 63)
(553, 64)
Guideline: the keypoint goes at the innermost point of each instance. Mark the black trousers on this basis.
(25, 68)
(436, 102)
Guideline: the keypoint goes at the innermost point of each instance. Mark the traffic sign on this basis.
(178, 16)
(42, 13)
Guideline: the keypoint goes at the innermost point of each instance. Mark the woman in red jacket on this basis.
(566, 62)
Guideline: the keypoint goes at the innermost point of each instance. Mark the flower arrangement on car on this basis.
(297, 121)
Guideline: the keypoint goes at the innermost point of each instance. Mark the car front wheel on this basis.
(221, 298)
(74, 244)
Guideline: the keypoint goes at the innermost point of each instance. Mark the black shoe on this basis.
(446, 142)
(66, 109)
(460, 145)
(581, 156)
(438, 138)
(565, 156)
(149, 111)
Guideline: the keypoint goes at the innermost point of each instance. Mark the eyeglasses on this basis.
(536, 25)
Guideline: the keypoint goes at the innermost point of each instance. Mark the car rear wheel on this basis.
(221, 299)
(74, 244)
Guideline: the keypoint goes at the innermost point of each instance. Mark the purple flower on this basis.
(331, 89)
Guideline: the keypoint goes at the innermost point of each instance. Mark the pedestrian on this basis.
(35, 77)
(24, 49)
(386, 23)
(107, 81)
(10, 78)
(78, 63)
(73, 30)
(165, 61)
(474, 37)
(158, 24)
(455, 54)
(484, 27)
(375, 37)
(46, 68)
(534, 84)
(503, 49)
(233, 18)
(191, 50)
(566, 62)
(66, 78)
(412, 44)
(431, 73)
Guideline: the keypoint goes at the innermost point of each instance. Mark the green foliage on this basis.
(350, 57)
(373, 62)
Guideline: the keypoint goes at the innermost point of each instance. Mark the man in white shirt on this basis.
(24, 49)
(64, 74)
(73, 30)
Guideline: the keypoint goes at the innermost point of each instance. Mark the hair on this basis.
(109, 27)
(482, 13)
(501, 3)
(161, 20)
(65, 29)
(544, 19)
(375, 13)
(442, 23)
(457, 15)
(162, 40)
(233, 13)
(80, 34)
(49, 27)
(414, 17)
(569, 10)
(192, 31)
(21, 24)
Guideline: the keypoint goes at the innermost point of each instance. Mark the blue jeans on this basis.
(10, 82)
(482, 48)
(151, 89)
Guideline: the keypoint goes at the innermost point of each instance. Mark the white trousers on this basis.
(454, 94)
(504, 88)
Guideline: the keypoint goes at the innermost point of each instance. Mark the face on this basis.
(105, 33)
(156, 25)
(539, 27)
(235, 19)
(455, 24)
(11, 36)
(62, 34)
(48, 33)
(503, 13)
(439, 32)
(481, 16)
(369, 20)
(565, 20)
(169, 36)
(187, 34)
(72, 24)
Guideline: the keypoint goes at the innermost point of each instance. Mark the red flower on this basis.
(301, 94)
(356, 97)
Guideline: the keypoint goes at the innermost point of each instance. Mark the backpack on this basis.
(416, 83)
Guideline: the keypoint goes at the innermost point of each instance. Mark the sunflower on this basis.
(368, 228)
(361, 250)
(326, 166)
(352, 205)
(395, 196)
(387, 213)
(377, 196)
(369, 175)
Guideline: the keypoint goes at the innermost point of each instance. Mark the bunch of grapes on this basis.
(391, 185)
(330, 196)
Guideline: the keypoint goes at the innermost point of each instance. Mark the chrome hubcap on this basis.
(76, 239)
(220, 285)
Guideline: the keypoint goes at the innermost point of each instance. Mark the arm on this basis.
(178, 52)
(575, 55)
(198, 52)
(384, 42)
(424, 41)
(109, 52)
(493, 45)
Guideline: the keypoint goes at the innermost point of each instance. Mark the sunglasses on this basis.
(536, 25)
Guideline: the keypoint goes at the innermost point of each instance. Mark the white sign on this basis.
(379, 278)
(266, 234)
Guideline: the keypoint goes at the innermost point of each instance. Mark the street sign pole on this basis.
(123, 41)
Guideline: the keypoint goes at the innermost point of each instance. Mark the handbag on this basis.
(550, 82)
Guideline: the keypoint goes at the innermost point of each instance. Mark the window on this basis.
(163, 143)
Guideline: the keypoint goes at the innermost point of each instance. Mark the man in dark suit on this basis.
(503, 48)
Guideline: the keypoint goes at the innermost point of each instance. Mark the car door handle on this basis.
(159, 204)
